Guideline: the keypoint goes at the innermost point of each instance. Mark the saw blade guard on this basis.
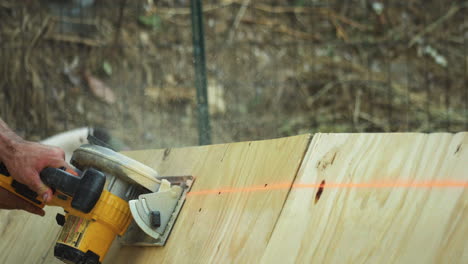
(116, 165)
(155, 214)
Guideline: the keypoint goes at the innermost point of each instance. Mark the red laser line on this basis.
(279, 186)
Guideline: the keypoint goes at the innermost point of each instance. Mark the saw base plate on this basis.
(135, 236)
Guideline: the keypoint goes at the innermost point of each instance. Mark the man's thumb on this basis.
(47, 195)
(44, 192)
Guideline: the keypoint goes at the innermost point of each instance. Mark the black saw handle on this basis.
(85, 190)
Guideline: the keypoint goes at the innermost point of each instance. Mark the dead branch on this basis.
(325, 89)
(74, 20)
(357, 107)
(380, 124)
(239, 16)
(275, 26)
(320, 10)
(39, 33)
(284, 9)
(340, 33)
(76, 39)
(348, 21)
(186, 11)
(452, 11)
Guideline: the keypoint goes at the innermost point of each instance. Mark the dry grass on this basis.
(280, 69)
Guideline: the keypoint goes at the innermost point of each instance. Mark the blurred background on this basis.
(274, 68)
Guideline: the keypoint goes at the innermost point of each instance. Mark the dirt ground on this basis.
(275, 68)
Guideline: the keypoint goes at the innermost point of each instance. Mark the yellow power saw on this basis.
(108, 195)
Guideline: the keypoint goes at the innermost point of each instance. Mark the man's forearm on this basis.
(8, 140)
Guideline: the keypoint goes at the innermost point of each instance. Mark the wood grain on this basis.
(355, 218)
(376, 224)
(222, 227)
(27, 238)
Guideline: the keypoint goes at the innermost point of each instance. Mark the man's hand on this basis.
(24, 161)
(28, 159)
(11, 201)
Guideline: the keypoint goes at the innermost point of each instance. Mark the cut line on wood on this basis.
(266, 187)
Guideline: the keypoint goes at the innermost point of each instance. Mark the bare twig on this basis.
(452, 11)
(76, 39)
(186, 11)
(262, 7)
(74, 20)
(118, 25)
(148, 74)
(282, 29)
(239, 16)
(176, 22)
(39, 33)
(325, 89)
(340, 33)
(357, 107)
(101, 39)
(382, 125)
(322, 11)
(284, 9)
(348, 21)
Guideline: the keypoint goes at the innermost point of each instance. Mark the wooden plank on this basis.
(348, 224)
(345, 224)
(222, 226)
(26, 238)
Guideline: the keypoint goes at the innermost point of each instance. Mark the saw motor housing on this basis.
(85, 238)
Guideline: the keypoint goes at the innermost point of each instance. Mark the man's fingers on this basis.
(56, 163)
(29, 160)
(55, 153)
(47, 195)
(59, 152)
(41, 189)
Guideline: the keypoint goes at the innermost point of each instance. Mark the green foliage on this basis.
(107, 68)
(153, 21)
(299, 2)
(330, 51)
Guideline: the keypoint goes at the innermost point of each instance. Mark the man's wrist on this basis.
(8, 147)
(9, 143)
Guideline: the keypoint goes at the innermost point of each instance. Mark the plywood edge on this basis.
(145, 159)
(198, 147)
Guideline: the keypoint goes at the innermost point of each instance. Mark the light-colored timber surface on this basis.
(361, 219)
(384, 198)
(221, 226)
(27, 238)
